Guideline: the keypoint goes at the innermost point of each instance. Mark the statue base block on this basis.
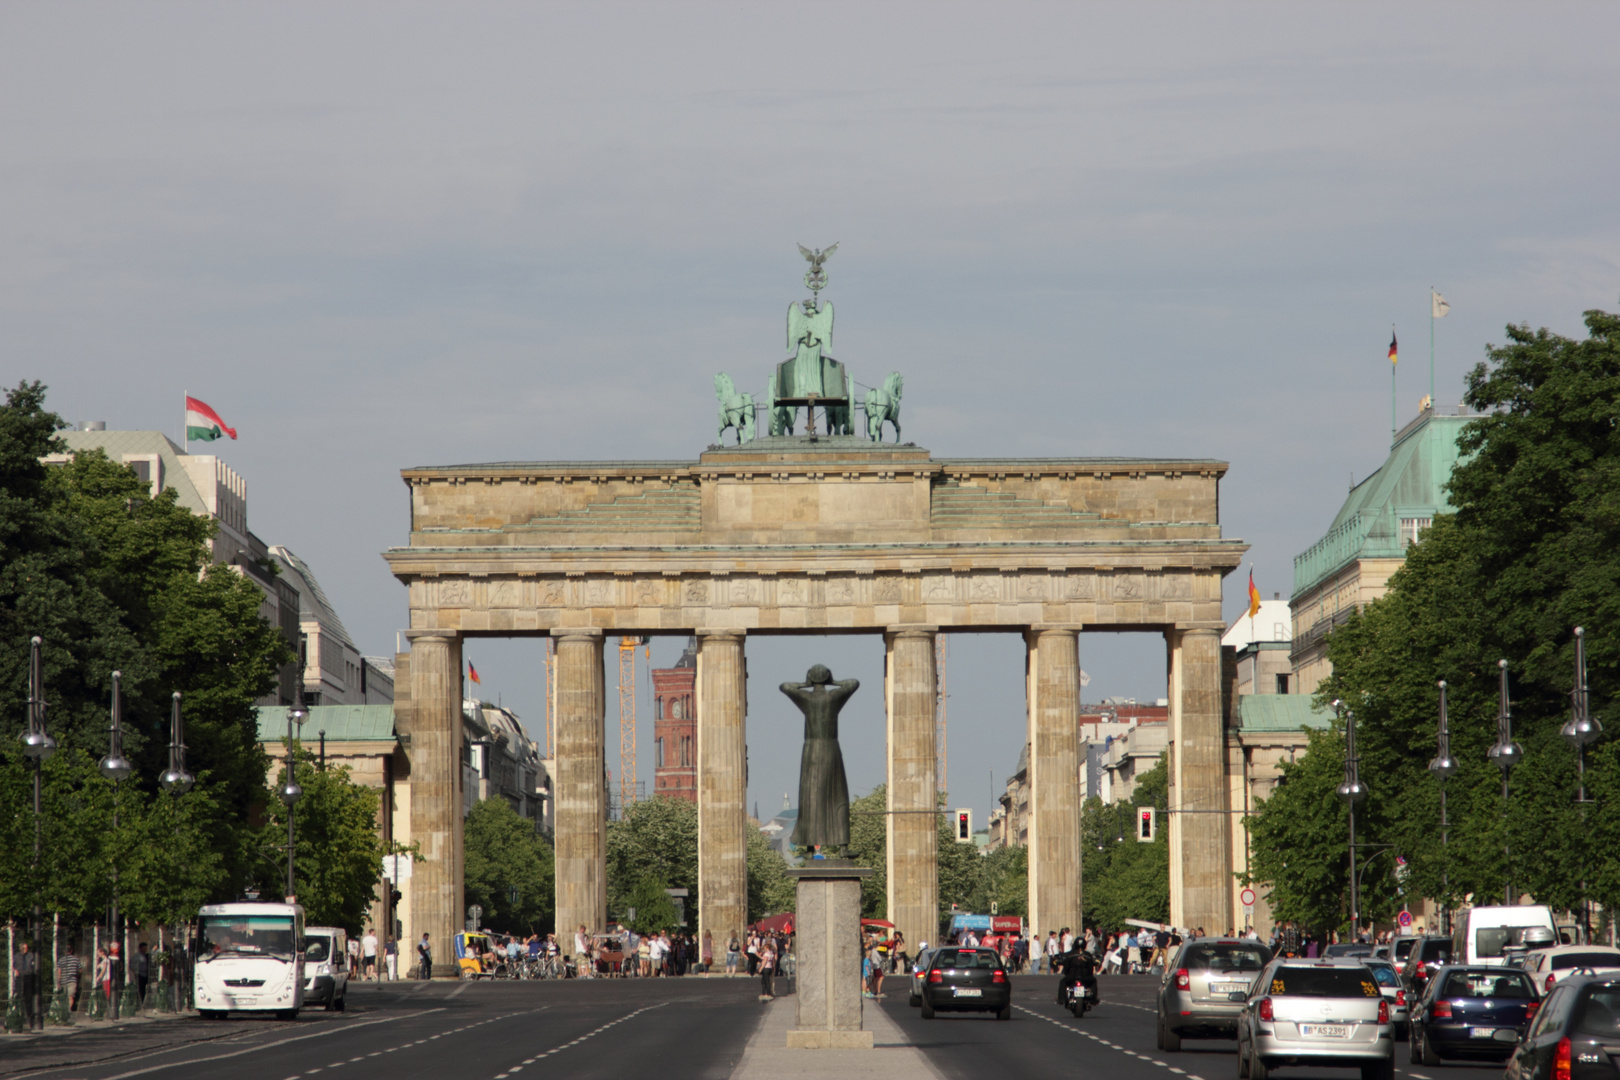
(827, 950)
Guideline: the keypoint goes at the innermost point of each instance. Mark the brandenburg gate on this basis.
(817, 534)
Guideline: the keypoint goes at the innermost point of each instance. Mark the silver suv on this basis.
(1316, 1013)
(1195, 994)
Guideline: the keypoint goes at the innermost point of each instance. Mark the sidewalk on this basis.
(88, 1041)
(768, 1058)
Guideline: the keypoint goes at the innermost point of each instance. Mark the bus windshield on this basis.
(246, 935)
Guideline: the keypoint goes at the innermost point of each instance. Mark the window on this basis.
(1279, 631)
(658, 751)
(1411, 527)
(1282, 684)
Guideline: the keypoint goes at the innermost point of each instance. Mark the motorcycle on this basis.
(1080, 998)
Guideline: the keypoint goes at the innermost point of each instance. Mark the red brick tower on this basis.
(675, 727)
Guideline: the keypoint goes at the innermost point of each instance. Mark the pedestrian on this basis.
(368, 955)
(897, 950)
(1052, 951)
(1133, 955)
(424, 953)
(767, 971)
(67, 976)
(143, 973)
(1065, 941)
(708, 952)
(101, 975)
(733, 954)
(391, 957)
(115, 981)
(753, 953)
(582, 953)
(25, 970)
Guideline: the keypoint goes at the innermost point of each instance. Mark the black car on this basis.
(1471, 1011)
(1427, 955)
(1576, 1034)
(966, 980)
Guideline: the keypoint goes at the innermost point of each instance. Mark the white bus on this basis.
(250, 958)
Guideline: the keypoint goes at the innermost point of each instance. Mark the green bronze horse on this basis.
(884, 405)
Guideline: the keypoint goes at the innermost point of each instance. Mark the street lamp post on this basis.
(1581, 728)
(176, 780)
(38, 746)
(116, 767)
(1443, 766)
(290, 791)
(1506, 754)
(1352, 791)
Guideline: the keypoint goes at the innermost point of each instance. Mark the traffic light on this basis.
(1145, 819)
(964, 826)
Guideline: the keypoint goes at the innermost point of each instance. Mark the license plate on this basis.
(1227, 988)
(960, 992)
(1325, 1031)
(1482, 1033)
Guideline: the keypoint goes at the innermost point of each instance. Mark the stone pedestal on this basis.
(827, 951)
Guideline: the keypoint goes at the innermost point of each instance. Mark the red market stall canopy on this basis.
(775, 924)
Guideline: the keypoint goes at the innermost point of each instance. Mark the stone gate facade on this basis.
(807, 535)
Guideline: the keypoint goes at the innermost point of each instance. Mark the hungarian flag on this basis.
(1392, 347)
(472, 673)
(203, 423)
(1254, 596)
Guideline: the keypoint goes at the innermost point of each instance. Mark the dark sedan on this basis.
(1425, 957)
(1575, 1036)
(966, 980)
(1471, 1012)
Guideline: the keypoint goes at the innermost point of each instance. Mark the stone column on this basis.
(436, 819)
(722, 785)
(1054, 778)
(913, 832)
(580, 786)
(1200, 863)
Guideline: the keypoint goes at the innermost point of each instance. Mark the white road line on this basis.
(1104, 1042)
(582, 1038)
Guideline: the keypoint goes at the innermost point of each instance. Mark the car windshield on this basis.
(1492, 984)
(1435, 952)
(1403, 948)
(1491, 940)
(960, 959)
(1601, 1016)
(1563, 961)
(269, 935)
(1323, 981)
(318, 949)
(1349, 949)
(1385, 974)
(1222, 958)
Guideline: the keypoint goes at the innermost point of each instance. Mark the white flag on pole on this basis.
(1440, 305)
(1085, 680)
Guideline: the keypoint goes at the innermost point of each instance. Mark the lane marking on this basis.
(1104, 1042)
(334, 1030)
(592, 1034)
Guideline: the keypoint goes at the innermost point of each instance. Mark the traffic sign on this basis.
(1404, 918)
(1247, 896)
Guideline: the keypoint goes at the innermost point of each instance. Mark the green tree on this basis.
(770, 890)
(1124, 878)
(653, 838)
(869, 847)
(338, 855)
(1003, 883)
(654, 908)
(506, 858)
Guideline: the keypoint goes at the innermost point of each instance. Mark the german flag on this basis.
(472, 673)
(1254, 596)
(1392, 357)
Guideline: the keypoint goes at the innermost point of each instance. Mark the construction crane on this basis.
(941, 747)
(627, 717)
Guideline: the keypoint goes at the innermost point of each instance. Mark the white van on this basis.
(1483, 932)
(326, 966)
(250, 958)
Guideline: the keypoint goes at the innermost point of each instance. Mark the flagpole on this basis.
(1252, 606)
(185, 432)
(1431, 348)
(1393, 365)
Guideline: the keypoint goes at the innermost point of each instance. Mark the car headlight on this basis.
(323, 969)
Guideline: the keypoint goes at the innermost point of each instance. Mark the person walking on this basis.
(767, 971)
(708, 953)
(25, 971)
(67, 976)
(424, 953)
(115, 981)
(391, 959)
(733, 954)
(101, 976)
(582, 953)
(368, 955)
(1052, 951)
(143, 973)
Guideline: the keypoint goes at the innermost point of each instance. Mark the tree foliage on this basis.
(1124, 878)
(338, 852)
(1532, 551)
(505, 855)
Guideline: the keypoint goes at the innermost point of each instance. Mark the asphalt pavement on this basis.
(667, 1029)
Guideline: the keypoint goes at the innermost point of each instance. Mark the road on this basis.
(665, 1028)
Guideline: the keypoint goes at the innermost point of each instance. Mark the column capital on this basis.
(721, 632)
(577, 631)
(414, 636)
(900, 630)
(1055, 628)
(1200, 627)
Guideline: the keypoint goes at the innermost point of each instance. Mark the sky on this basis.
(375, 236)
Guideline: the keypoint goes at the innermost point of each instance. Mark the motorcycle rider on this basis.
(1077, 967)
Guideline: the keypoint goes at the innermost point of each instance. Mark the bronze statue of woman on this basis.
(823, 790)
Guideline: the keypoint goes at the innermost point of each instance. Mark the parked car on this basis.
(1575, 1035)
(1400, 949)
(1471, 1011)
(1547, 966)
(1195, 994)
(1389, 984)
(1481, 934)
(1315, 1013)
(966, 980)
(326, 966)
(1348, 948)
(1426, 957)
(919, 971)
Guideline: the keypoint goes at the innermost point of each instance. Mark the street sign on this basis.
(1247, 896)
(1404, 918)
